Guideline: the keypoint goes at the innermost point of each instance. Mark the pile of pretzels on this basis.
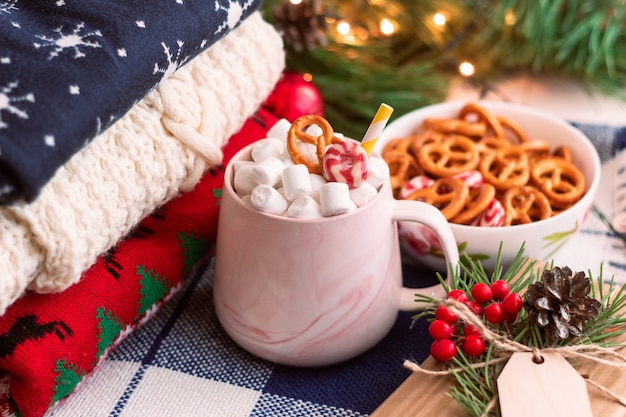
(482, 169)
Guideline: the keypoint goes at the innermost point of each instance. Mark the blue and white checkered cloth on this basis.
(182, 363)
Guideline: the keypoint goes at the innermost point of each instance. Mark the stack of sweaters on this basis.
(113, 120)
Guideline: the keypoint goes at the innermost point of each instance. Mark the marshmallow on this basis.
(316, 182)
(267, 199)
(335, 198)
(269, 171)
(305, 207)
(363, 194)
(314, 130)
(308, 150)
(243, 180)
(268, 147)
(296, 181)
(378, 172)
(280, 130)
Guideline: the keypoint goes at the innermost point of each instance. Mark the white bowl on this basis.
(541, 239)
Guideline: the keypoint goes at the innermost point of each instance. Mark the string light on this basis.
(439, 19)
(467, 69)
(387, 27)
(510, 18)
(343, 28)
(294, 2)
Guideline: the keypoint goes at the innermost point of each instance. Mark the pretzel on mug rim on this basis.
(296, 132)
(483, 114)
(454, 155)
(506, 168)
(524, 205)
(448, 194)
(459, 126)
(559, 180)
(478, 200)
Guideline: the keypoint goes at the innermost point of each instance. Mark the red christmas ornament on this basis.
(293, 96)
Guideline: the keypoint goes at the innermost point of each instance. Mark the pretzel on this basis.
(525, 204)
(296, 132)
(514, 128)
(559, 180)
(505, 168)
(535, 149)
(448, 194)
(485, 116)
(458, 126)
(450, 157)
(563, 152)
(420, 139)
(402, 167)
(479, 199)
(489, 144)
(400, 145)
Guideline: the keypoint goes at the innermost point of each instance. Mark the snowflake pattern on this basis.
(8, 6)
(172, 63)
(72, 41)
(234, 11)
(82, 56)
(8, 102)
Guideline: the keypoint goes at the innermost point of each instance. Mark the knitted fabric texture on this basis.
(159, 148)
(51, 342)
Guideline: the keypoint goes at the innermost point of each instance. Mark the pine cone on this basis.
(559, 303)
(303, 25)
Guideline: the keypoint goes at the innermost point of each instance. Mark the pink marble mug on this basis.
(313, 292)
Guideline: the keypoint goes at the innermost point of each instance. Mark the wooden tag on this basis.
(552, 388)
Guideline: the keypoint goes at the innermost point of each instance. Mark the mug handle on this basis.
(431, 217)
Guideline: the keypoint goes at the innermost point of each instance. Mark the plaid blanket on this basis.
(181, 363)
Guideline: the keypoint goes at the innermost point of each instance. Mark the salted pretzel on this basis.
(505, 168)
(297, 132)
(558, 179)
(454, 155)
(485, 116)
(525, 204)
(479, 199)
(448, 194)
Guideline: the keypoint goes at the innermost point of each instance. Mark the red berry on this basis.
(458, 295)
(512, 303)
(443, 313)
(476, 307)
(500, 289)
(482, 292)
(443, 350)
(470, 330)
(439, 329)
(509, 318)
(493, 313)
(473, 345)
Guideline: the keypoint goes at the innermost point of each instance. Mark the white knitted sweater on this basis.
(162, 146)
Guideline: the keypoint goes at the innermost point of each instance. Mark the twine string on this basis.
(506, 347)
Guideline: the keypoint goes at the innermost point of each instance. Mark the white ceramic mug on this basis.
(312, 292)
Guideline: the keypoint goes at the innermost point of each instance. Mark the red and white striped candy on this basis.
(418, 182)
(471, 178)
(492, 216)
(346, 162)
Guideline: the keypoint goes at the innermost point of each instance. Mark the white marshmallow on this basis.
(363, 194)
(243, 180)
(379, 172)
(268, 147)
(305, 207)
(296, 181)
(267, 199)
(316, 182)
(269, 171)
(308, 150)
(280, 130)
(335, 198)
(314, 130)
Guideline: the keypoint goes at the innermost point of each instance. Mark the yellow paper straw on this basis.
(376, 127)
